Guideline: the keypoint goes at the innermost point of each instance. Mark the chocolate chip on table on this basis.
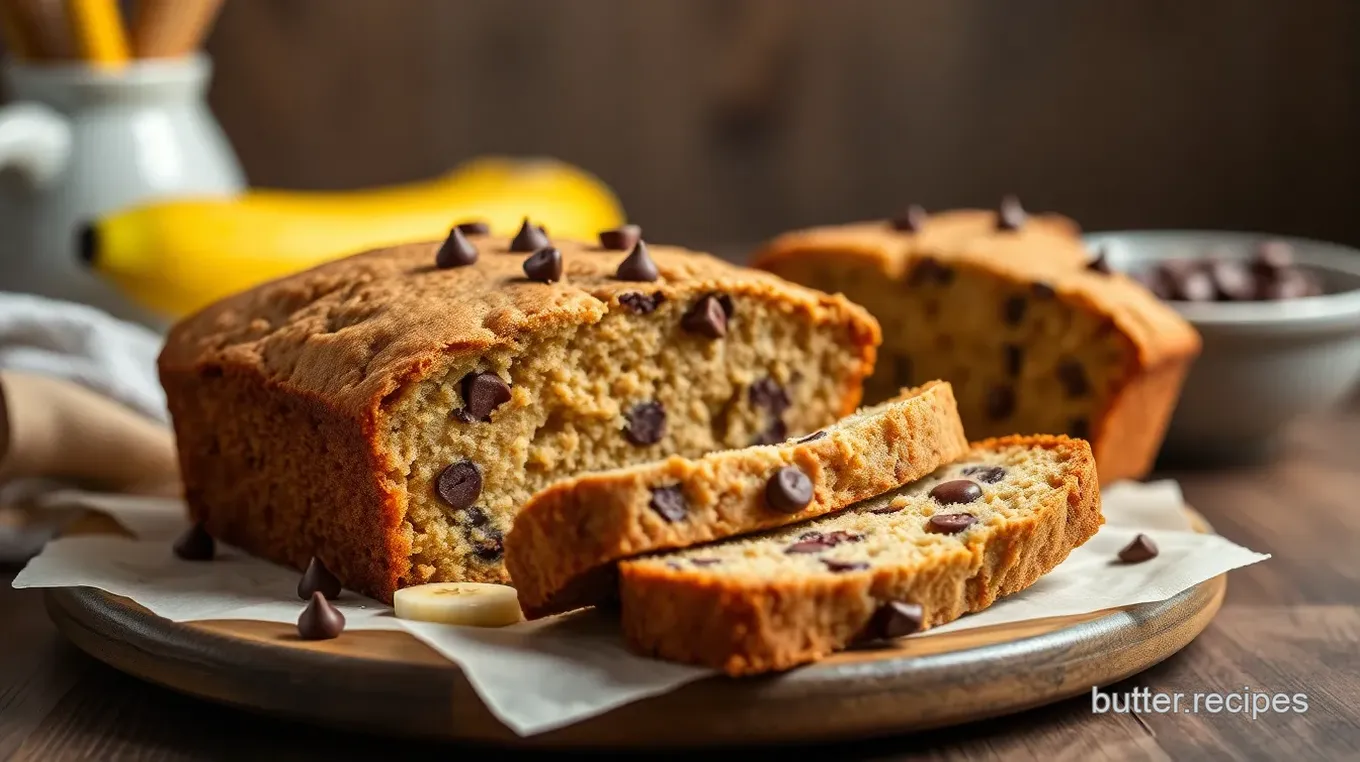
(456, 251)
(473, 227)
(986, 474)
(620, 239)
(929, 270)
(844, 566)
(1042, 290)
(1000, 402)
(1014, 356)
(669, 503)
(544, 265)
(638, 265)
(813, 437)
(641, 304)
(706, 317)
(490, 546)
(767, 394)
(483, 392)
(529, 238)
(1013, 310)
(1010, 215)
(460, 484)
(318, 579)
(1100, 263)
(1079, 428)
(956, 491)
(910, 220)
(1072, 376)
(646, 423)
(320, 620)
(950, 523)
(195, 544)
(894, 619)
(1141, 549)
(789, 490)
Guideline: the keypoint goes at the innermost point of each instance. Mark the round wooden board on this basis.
(390, 683)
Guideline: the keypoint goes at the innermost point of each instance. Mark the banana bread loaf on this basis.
(388, 413)
(927, 553)
(566, 538)
(1036, 335)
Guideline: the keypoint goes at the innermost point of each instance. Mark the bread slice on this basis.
(882, 568)
(566, 538)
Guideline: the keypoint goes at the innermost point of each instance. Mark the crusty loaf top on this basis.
(352, 331)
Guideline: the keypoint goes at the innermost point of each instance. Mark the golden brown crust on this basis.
(577, 526)
(747, 625)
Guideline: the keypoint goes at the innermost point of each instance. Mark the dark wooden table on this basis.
(1289, 625)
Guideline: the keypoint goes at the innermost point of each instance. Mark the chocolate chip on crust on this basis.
(529, 238)
(474, 227)
(620, 239)
(638, 265)
(641, 304)
(706, 317)
(544, 265)
(457, 251)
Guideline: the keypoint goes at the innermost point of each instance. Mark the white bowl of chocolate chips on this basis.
(1280, 318)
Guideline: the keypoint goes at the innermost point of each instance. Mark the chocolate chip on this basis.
(320, 620)
(1289, 284)
(318, 579)
(844, 566)
(816, 542)
(956, 491)
(911, 220)
(1193, 286)
(1014, 355)
(641, 304)
(669, 503)
(986, 474)
(950, 523)
(474, 516)
(1079, 428)
(483, 392)
(1013, 310)
(638, 265)
(1272, 257)
(490, 546)
(889, 508)
(1101, 264)
(894, 619)
(807, 546)
(620, 239)
(706, 318)
(767, 394)
(775, 433)
(529, 238)
(929, 270)
(1042, 290)
(544, 266)
(646, 423)
(1232, 280)
(813, 437)
(836, 537)
(1010, 215)
(789, 490)
(457, 251)
(727, 305)
(1141, 549)
(704, 561)
(1000, 402)
(460, 484)
(1072, 376)
(473, 227)
(195, 544)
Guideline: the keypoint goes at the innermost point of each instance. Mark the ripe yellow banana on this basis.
(176, 256)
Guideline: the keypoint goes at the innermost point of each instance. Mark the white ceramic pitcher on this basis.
(87, 141)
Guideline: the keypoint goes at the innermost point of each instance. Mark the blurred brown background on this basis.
(729, 120)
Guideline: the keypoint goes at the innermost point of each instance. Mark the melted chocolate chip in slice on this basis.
(893, 619)
(638, 265)
(320, 620)
(669, 503)
(195, 544)
(1141, 549)
(986, 474)
(807, 546)
(620, 239)
(529, 238)
(789, 490)
(775, 433)
(1013, 310)
(641, 304)
(1000, 402)
(318, 579)
(460, 484)
(929, 270)
(950, 523)
(1072, 376)
(956, 492)
(844, 566)
(457, 251)
(911, 220)
(483, 392)
(544, 265)
(1010, 215)
(473, 227)
(706, 317)
(646, 423)
(767, 394)
(490, 546)
(704, 561)
(1013, 357)
(474, 516)
(813, 437)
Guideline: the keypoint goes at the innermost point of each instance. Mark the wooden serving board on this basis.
(390, 683)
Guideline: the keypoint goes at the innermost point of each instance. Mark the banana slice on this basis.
(473, 604)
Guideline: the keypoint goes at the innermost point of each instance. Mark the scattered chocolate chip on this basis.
(929, 270)
(474, 516)
(490, 546)
(1232, 280)
(1014, 356)
(1000, 402)
(318, 579)
(1072, 376)
(620, 239)
(789, 490)
(669, 503)
(646, 423)
(816, 542)
(320, 620)
(1141, 549)
(704, 561)
(894, 619)
(1100, 264)
(641, 304)
(1010, 215)
(956, 491)
(457, 251)
(706, 318)
(813, 437)
(1079, 428)
(460, 484)
(950, 523)
(767, 394)
(638, 265)
(473, 227)
(1042, 290)
(195, 544)
(544, 266)
(844, 566)
(911, 220)
(483, 392)
(1013, 310)
(986, 474)
(529, 238)
(775, 433)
